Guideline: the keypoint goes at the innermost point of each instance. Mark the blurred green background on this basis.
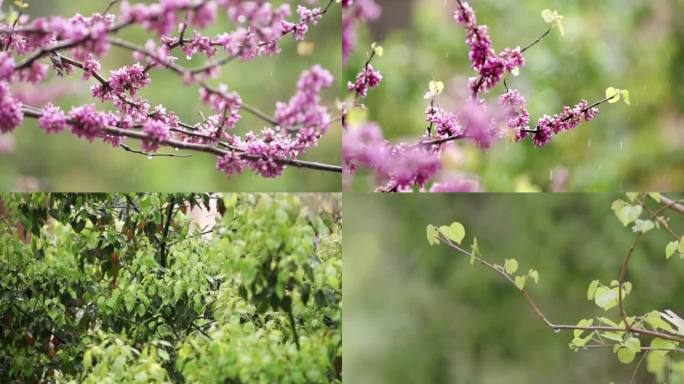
(64, 162)
(631, 44)
(420, 314)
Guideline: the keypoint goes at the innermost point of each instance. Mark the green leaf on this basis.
(552, 17)
(625, 96)
(632, 196)
(655, 196)
(626, 213)
(625, 355)
(432, 234)
(455, 232)
(87, 359)
(671, 248)
(654, 319)
(592, 289)
(633, 344)
(474, 251)
(606, 298)
(643, 226)
(511, 265)
(681, 245)
(582, 323)
(163, 354)
(613, 95)
(520, 282)
(534, 275)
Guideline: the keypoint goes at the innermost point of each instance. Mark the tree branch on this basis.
(211, 149)
(542, 316)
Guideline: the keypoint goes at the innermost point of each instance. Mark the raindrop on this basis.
(149, 157)
(589, 143)
(175, 149)
(622, 144)
(556, 330)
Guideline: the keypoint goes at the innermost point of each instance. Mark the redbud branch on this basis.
(109, 6)
(70, 43)
(211, 149)
(539, 312)
(590, 346)
(444, 140)
(182, 71)
(621, 280)
(636, 368)
(129, 149)
(625, 264)
(540, 38)
(673, 205)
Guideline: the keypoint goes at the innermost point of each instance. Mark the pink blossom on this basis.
(355, 12)
(230, 164)
(33, 74)
(90, 66)
(158, 131)
(86, 121)
(226, 103)
(53, 119)
(6, 66)
(10, 110)
(368, 78)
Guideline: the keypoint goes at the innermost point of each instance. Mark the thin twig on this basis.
(542, 316)
(129, 149)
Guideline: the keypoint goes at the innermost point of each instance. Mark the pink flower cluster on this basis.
(303, 114)
(79, 42)
(306, 17)
(483, 58)
(53, 119)
(515, 106)
(397, 167)
(567, 120)
(158, 131)
(355, 12)
(162, 17)
(10, 109)
(368, 78)
(223, 102)
(303, 111)
(127, 79)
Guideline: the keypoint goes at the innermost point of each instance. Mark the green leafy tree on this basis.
(131, 288)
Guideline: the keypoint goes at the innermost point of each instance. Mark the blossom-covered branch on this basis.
(405, 167)
(296, 126)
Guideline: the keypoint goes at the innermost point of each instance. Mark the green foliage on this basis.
(624, 336)
(127, 288)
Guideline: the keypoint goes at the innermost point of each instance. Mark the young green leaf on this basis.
(671, 248)
(606, 298)
(613, 95)
(455, 232)
(534, 275)
(474, 251)
(592, 289)
(432, 234)
(625, 355)
(520, 282)
(625, 96)
(511, 265)
(552, 17)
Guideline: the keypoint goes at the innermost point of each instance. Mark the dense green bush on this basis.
(127, 288)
